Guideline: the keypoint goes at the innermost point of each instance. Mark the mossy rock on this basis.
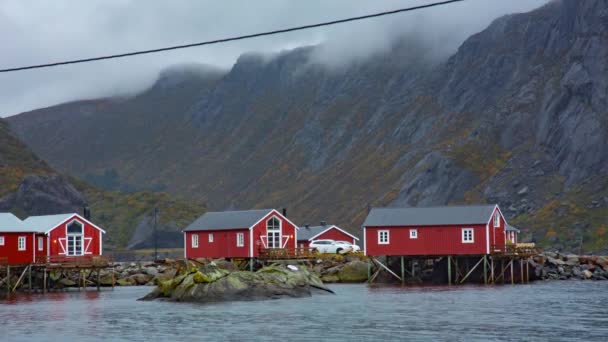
(126, 282)
(353, 272)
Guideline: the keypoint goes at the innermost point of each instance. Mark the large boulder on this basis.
(218, 285)
(353, 272)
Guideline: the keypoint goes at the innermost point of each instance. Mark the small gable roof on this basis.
(429, 216)
(227, 220)
(10, 223)
(510, 228)
(310, 232)
(46, 223)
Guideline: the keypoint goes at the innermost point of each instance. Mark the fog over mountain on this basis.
(37, 32)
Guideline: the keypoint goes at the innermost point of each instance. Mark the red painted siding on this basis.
(288, 232)
(92, 242)
(333, 234)
(10, 249)
(224, 241)
(432, 240)
(497, 240)
(224, 244)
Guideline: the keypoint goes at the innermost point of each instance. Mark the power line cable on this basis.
(224, 40)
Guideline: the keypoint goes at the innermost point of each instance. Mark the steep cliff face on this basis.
(516, 116)
(28, 186)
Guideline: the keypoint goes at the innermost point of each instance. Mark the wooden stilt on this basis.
(112, 271)
(402, 270)
(449, 270)
(502, 270)
(492, 280)
(413, 271)
(527, 271)
(369, 271)
(485, 269)
(251, 264)
(44, 281)
(512, 279)
(521, 270)
(8, 279)
(457, 267)
(378, 263)
(29, 278)
(471, 270)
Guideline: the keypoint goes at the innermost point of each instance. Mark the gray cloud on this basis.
(33, 32)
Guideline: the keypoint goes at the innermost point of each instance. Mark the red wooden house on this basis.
(41, 237)
(435, 231)
(238, 234)
(308, 233)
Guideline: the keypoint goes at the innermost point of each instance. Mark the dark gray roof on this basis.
(225, 220)
(510, 228)
(429, 216)
(307, 233)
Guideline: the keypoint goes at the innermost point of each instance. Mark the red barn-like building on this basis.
(308, 234)
(435, 231)
(68, 235)
(238, 234)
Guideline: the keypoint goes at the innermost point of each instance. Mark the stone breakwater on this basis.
(553, 266)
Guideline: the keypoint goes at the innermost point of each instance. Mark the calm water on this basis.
(542, 311)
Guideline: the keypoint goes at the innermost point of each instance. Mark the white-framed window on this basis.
(496, 219)
(194, 240)
(1, 240)
(383, 237)
(210, 237)
(413, 233)
(75, 238)
(21, 243)
(240, 239)
(40, 243)
(467, 235)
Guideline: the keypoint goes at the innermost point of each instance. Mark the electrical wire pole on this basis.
(155, 235)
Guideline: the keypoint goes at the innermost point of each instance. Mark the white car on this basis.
(330, 246)
(353, 248)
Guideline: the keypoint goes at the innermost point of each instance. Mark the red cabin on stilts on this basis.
(435, 231)
(40, 238)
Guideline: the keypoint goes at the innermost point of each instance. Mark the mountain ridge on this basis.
(516, 116)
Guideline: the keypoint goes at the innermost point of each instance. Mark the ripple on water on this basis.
(542, 311)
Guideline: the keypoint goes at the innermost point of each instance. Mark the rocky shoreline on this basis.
(553, 266)
(329, 269)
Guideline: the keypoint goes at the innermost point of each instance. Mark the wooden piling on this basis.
(449, 270)
(492, 279)
(502, 270)
(369, 271)
(44, 281)
(98, 280)
(8, 279)
(413, 266)
(485, 269)
(521, 270)
(527, 271)
(402, 270)
(512, 280)
(29, 278)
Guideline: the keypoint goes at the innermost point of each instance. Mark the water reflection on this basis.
(567, 310)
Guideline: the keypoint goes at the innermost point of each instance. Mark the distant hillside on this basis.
(516, 116)
(28, 186)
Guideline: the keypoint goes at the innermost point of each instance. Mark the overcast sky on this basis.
(34, 32)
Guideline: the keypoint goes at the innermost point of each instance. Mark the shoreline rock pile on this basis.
(553, 266)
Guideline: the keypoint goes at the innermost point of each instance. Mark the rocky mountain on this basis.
(516, 116)
(28, 186)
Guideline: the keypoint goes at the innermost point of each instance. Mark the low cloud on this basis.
(36, 32)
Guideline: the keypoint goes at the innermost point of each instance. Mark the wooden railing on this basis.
(74, 261)
(517, 249)
(287, 253)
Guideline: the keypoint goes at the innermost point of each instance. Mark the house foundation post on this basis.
(449, 270)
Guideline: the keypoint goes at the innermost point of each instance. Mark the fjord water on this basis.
(567, 310)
